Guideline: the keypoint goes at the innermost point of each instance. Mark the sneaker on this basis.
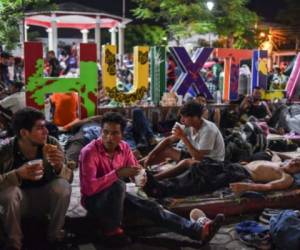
(197, 215)
(211, 227)
(12, 248)
(117, 241)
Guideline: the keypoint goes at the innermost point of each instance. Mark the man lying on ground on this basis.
(209, 175)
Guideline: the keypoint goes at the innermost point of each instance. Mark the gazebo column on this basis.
(98, 36)
(54, 33)
(121, 27)
(26, 28)
(84, 35)
(113, 36)
(21, 30)
(50, 39)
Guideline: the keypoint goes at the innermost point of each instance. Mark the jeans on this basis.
(107, 206)
(139, 130)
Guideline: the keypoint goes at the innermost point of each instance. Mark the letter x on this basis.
(190, 70)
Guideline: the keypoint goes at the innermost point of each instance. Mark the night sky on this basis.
(265, 8)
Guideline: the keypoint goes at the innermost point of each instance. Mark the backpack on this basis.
(254, 135)
(236, 147)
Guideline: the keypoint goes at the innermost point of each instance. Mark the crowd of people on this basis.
(109, 150)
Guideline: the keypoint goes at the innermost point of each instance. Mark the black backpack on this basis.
(236, 147)
(254, 135)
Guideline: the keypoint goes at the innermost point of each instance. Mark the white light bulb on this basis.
(210, 5)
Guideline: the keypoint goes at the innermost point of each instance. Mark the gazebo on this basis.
(77, 16)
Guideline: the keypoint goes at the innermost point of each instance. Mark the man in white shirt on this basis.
(198, 137)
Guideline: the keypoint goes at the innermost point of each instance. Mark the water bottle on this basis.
(219, 98)
(47, 109)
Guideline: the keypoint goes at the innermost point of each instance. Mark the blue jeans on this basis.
(108, 205)
(139, 131)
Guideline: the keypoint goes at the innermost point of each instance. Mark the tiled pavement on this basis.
(144, 237)
(225, 239)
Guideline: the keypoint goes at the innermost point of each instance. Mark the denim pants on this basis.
(108, 205)
(139, 130)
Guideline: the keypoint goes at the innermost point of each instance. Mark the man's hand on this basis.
(178, 132)
(56, 158)
(239, 187)
(30, 172)
(127, 172)
(145, 161)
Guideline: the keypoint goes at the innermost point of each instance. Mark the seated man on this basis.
(208, 176)
(103, 164)
(198, 139)
(28, 188)
(254, 106)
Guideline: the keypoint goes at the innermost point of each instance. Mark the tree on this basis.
(229, 19)
(12, 14)
(144, 34)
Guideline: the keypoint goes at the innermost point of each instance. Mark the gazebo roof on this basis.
(75, 16)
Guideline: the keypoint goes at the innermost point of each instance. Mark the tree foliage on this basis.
(229, 19)
(11, 14)
(144, 34)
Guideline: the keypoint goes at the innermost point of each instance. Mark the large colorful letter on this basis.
(141, 74)
(294, 80)
(259, 69)
(190, 70)
(232, 59)
(37, 86)
(158, 73)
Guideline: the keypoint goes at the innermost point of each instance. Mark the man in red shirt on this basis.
(104, 163)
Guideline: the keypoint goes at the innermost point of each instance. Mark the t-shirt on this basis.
(54, 63)
(259, 111)
(65, 107)
(208, 137)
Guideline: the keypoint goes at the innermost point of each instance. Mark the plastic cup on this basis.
(138, 179)
(34, 162)
(37, 162)
(177, 124)
(131, 188)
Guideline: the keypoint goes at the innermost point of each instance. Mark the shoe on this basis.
(12, 248)
(259, 241)
(117, 241)
(211, 227)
